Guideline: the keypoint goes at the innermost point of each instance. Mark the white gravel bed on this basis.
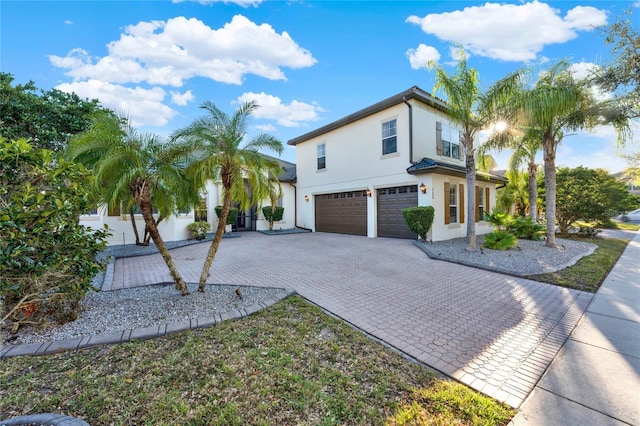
(528, 258)
(109, 311)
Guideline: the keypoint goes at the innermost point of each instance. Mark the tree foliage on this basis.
(48, 118)
(47, 259)
(589, 195)
(141, 167)
(472, 110)
(217, 149)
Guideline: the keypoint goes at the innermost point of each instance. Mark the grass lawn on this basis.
(589, 272)
(289, 364)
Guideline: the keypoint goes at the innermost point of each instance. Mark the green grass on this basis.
(589, 272)
(289, 364)
(612, 224)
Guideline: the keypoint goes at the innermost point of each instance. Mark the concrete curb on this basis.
(45, 419)
(45, 348)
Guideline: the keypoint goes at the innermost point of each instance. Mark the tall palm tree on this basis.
(142, 165)
(472, 110)
(217, 150)
(556, 104)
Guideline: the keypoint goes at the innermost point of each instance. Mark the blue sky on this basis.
(307, 63)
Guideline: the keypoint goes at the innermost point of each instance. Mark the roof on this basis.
(288, 173)
(413, 93)
(428, 165)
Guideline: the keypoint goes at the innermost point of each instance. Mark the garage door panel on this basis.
(391, 201)
(342, 213)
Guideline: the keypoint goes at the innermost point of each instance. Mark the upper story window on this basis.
(322, 164)
(389, 137)
(448, 141)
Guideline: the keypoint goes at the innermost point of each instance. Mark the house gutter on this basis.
(404, 99)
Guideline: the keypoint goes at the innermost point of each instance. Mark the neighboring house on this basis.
(175, 228)
(355, 175)
(629, 181)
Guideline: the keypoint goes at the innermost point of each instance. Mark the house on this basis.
(355, 175)
(174, 228)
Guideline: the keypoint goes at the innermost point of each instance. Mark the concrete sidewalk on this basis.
(595, 378)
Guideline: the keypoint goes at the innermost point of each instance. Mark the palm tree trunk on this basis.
(533, 192)
(549, 147)
(132, 216)
(144, 199)
(471, 194)
(213, 249)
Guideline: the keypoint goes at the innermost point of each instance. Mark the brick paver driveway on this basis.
(493, 332)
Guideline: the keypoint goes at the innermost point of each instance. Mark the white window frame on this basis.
(451, 140)
(481, 203)
(453, 203)
(390, 133)
(321, 148)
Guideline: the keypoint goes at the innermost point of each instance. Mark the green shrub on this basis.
(47, 259)
(233, 214)
(498, 219)
(419, 219)
(273, 214)
(525, 228)
(199, 229)
(500, 240)
(278, 212)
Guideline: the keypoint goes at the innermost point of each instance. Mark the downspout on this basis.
(295, 208)
(404, 99)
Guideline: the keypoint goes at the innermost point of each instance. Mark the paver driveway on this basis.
(494, 332)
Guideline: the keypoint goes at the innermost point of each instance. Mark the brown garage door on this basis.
(342, 213)
(391, 201)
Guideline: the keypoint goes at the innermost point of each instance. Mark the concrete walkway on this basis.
(493, 332)
(595, 379)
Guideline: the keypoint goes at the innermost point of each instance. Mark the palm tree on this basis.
(557, 103)
(142, 165)
(472, 110)
(217, 151)
(524, 148)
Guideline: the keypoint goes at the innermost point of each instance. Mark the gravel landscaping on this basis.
(528, 258)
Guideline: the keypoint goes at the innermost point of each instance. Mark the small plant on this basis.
(273, 214)
(499, 219)
(525, 228)
(419, 220)
(232, 217)
(500, 240)
(199, 230)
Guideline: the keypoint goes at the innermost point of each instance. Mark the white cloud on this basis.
(419, 58)
(68, 22)
(181, 99)
(144, 106)
(582, 70)
(168, 53)
(509, 32)
(266, 128)
(288, 115)
(243, 3)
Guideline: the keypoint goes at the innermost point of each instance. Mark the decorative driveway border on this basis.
(137, 334)
(493, 332)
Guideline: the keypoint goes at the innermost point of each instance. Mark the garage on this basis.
(342, 213)
(391, 201)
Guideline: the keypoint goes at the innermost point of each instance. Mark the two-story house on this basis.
(355, 175)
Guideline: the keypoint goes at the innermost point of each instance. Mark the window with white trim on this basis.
(481, 204)
(389, 137)
(322, 164)
(450, 141)
(453, 203)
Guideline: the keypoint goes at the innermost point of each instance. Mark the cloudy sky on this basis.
(306, 63)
